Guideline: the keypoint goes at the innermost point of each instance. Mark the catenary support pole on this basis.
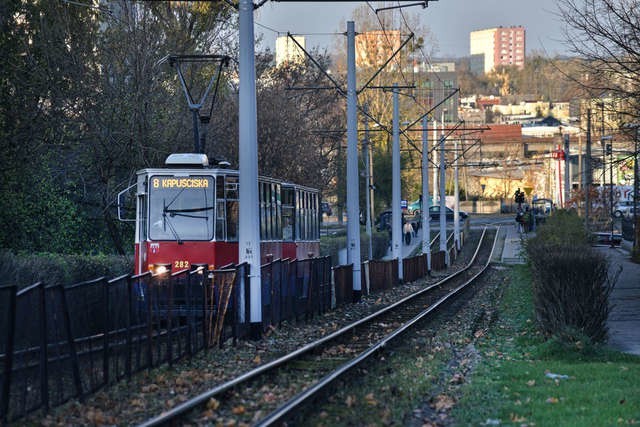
(366, 148)
(424, 209)
(588, 177)
(435, 170)
(353, 203)
(636, 203)
(567, 170)
(443, 207)
(249, 233)
(456, 195)
(396, 212)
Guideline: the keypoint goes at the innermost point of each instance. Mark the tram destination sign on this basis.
(172, 182)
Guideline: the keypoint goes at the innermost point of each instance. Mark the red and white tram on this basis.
(187, 217)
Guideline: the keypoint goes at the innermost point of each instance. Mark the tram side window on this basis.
(298, 216)
(263, 210)
(272, 213)
(221, 219)
(287, 214)
(142, 217)
(269, 211)
(278, 212)
(231, 193)
(314, 216)
(307, 220)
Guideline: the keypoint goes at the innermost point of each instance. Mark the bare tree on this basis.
(605, 34)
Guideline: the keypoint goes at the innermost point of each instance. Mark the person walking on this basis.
(520, 220)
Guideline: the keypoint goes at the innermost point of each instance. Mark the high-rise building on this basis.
(497, 46)
(288, 51)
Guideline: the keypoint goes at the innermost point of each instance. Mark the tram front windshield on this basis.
(181, 207)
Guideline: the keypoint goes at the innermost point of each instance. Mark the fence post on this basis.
(105, 338)
(44, 374)
(149, 302)
(75, 364)
(127, 363)
(171, 278)
(8, 361)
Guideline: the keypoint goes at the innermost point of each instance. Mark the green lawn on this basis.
(511, 386)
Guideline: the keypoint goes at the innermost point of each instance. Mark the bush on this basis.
(57, 269)
(563, 227)
(571, 282)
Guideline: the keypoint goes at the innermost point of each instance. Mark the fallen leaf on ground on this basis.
(351, 400)
(442, 402)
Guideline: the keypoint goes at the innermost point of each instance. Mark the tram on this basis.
(187, 216)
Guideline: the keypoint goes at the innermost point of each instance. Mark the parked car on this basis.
(623, 209)
(434, 213)
(325, 208)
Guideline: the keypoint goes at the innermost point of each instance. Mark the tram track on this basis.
(292, 381)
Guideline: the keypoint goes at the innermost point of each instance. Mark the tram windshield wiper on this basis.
(166, 221)
(185, 212)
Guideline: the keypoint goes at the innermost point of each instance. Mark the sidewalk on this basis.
(624, 318)
(512, 249)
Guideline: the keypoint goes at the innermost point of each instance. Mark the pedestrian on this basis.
(407, 230)
(520, 220)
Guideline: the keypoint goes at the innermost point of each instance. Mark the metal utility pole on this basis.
(456, 195)
(609, 149)
(424, 209)
(443, 207)
(636, 217)
(367, 166)
(396, 212)
(604, 159)
(567, 170)
(249, 228)
(353, 196)
(435, 170)
(588, 177)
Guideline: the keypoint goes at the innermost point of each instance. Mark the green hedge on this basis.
(570, 279)
(57, 269)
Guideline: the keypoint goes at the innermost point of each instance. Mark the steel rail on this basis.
(181, 409)
(291, 405)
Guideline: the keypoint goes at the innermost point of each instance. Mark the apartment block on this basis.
(493, 47)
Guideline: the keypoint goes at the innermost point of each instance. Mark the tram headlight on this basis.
(160, 268)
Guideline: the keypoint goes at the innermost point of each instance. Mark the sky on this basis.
(450, 21)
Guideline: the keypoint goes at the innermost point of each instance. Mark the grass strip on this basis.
(523, 379)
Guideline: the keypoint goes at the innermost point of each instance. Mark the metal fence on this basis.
(63, 342)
